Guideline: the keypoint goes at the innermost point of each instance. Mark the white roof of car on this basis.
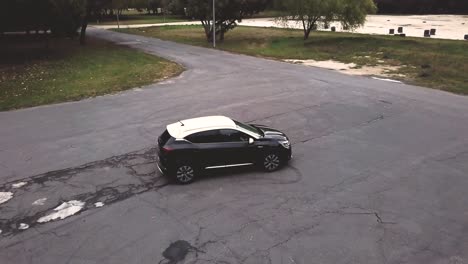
(187, 127)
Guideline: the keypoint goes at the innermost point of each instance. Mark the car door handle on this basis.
(260, 147)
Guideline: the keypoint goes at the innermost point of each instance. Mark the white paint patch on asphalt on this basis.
(39, 201)
(1, 231)
(63, 211)
(5, 196)
(23, 226)
(18, 185)
(386, 80)
(99, 204)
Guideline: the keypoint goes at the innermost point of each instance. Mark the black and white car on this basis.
(189, 146)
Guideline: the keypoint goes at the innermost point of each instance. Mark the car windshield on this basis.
(248, 128)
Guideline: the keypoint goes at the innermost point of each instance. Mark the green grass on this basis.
(440, 64)
(132, 19)
(32, 75)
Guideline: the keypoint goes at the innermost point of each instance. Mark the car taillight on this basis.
(166, 149)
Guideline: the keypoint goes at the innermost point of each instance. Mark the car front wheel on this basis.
(185, 174)
(271, 162)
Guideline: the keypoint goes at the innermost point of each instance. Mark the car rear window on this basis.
(164, 138)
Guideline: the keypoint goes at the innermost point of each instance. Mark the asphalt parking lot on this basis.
(379, 173)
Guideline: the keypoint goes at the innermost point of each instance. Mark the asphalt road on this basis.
(379, 173)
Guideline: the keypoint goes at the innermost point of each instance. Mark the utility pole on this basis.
(214, 25)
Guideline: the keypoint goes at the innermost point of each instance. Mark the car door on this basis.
(237, 149)
(208, 148)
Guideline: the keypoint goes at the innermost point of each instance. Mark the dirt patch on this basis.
(352, 68)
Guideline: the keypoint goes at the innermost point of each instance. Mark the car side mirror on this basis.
(251, 141)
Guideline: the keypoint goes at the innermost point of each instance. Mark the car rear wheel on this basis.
(185, 174)
(271, 162)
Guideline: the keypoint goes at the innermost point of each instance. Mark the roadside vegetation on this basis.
(421, 7)
(31, 74)
(140, 19)
(132, 17)
(440, 64)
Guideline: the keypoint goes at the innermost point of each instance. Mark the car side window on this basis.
(211, 136)
(231, 135)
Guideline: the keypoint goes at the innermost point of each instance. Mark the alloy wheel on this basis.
(271, 162)
(185, 174)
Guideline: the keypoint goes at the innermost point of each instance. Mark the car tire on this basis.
(185, 173)
(271, 162)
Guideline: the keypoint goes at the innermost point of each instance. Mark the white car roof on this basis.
(194, 125)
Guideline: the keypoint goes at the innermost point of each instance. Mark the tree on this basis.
(93, 8)
(66, 16)
(153, 6)
(423, 6)
(315, 13)
(228, 13)
(140, 5)
(62, 17)
(177, 7)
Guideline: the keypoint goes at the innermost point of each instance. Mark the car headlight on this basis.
(285, 144)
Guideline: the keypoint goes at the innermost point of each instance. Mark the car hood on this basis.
(271, 132)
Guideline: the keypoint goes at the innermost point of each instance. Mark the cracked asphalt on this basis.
(379, 173)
